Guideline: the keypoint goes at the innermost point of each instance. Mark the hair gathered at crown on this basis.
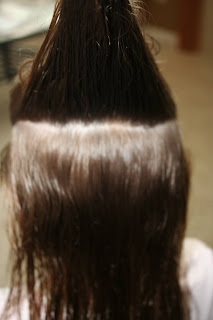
(93, 64)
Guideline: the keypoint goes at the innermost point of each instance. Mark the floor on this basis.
(190, 77)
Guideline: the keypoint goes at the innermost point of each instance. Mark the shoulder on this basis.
(4, 292)
(197, 278)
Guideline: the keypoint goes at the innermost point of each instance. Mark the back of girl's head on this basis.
(96, 174)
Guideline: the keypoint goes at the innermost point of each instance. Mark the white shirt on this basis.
(196, 276)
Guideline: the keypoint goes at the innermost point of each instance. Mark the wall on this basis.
(207, 28)
(163, 13)
(170, 13)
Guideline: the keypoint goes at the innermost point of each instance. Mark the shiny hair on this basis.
(96, 174)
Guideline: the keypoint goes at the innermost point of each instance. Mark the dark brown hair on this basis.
(96, 174)
(94, 63)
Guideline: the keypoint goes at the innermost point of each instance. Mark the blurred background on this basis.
(183, 29)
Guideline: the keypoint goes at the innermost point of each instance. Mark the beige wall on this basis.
(163, 13)
(207, 27)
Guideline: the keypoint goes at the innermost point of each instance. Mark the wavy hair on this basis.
(96, 174)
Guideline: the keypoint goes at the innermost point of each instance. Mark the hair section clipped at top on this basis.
(93, 64)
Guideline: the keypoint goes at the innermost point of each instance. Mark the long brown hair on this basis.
(96, 174)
